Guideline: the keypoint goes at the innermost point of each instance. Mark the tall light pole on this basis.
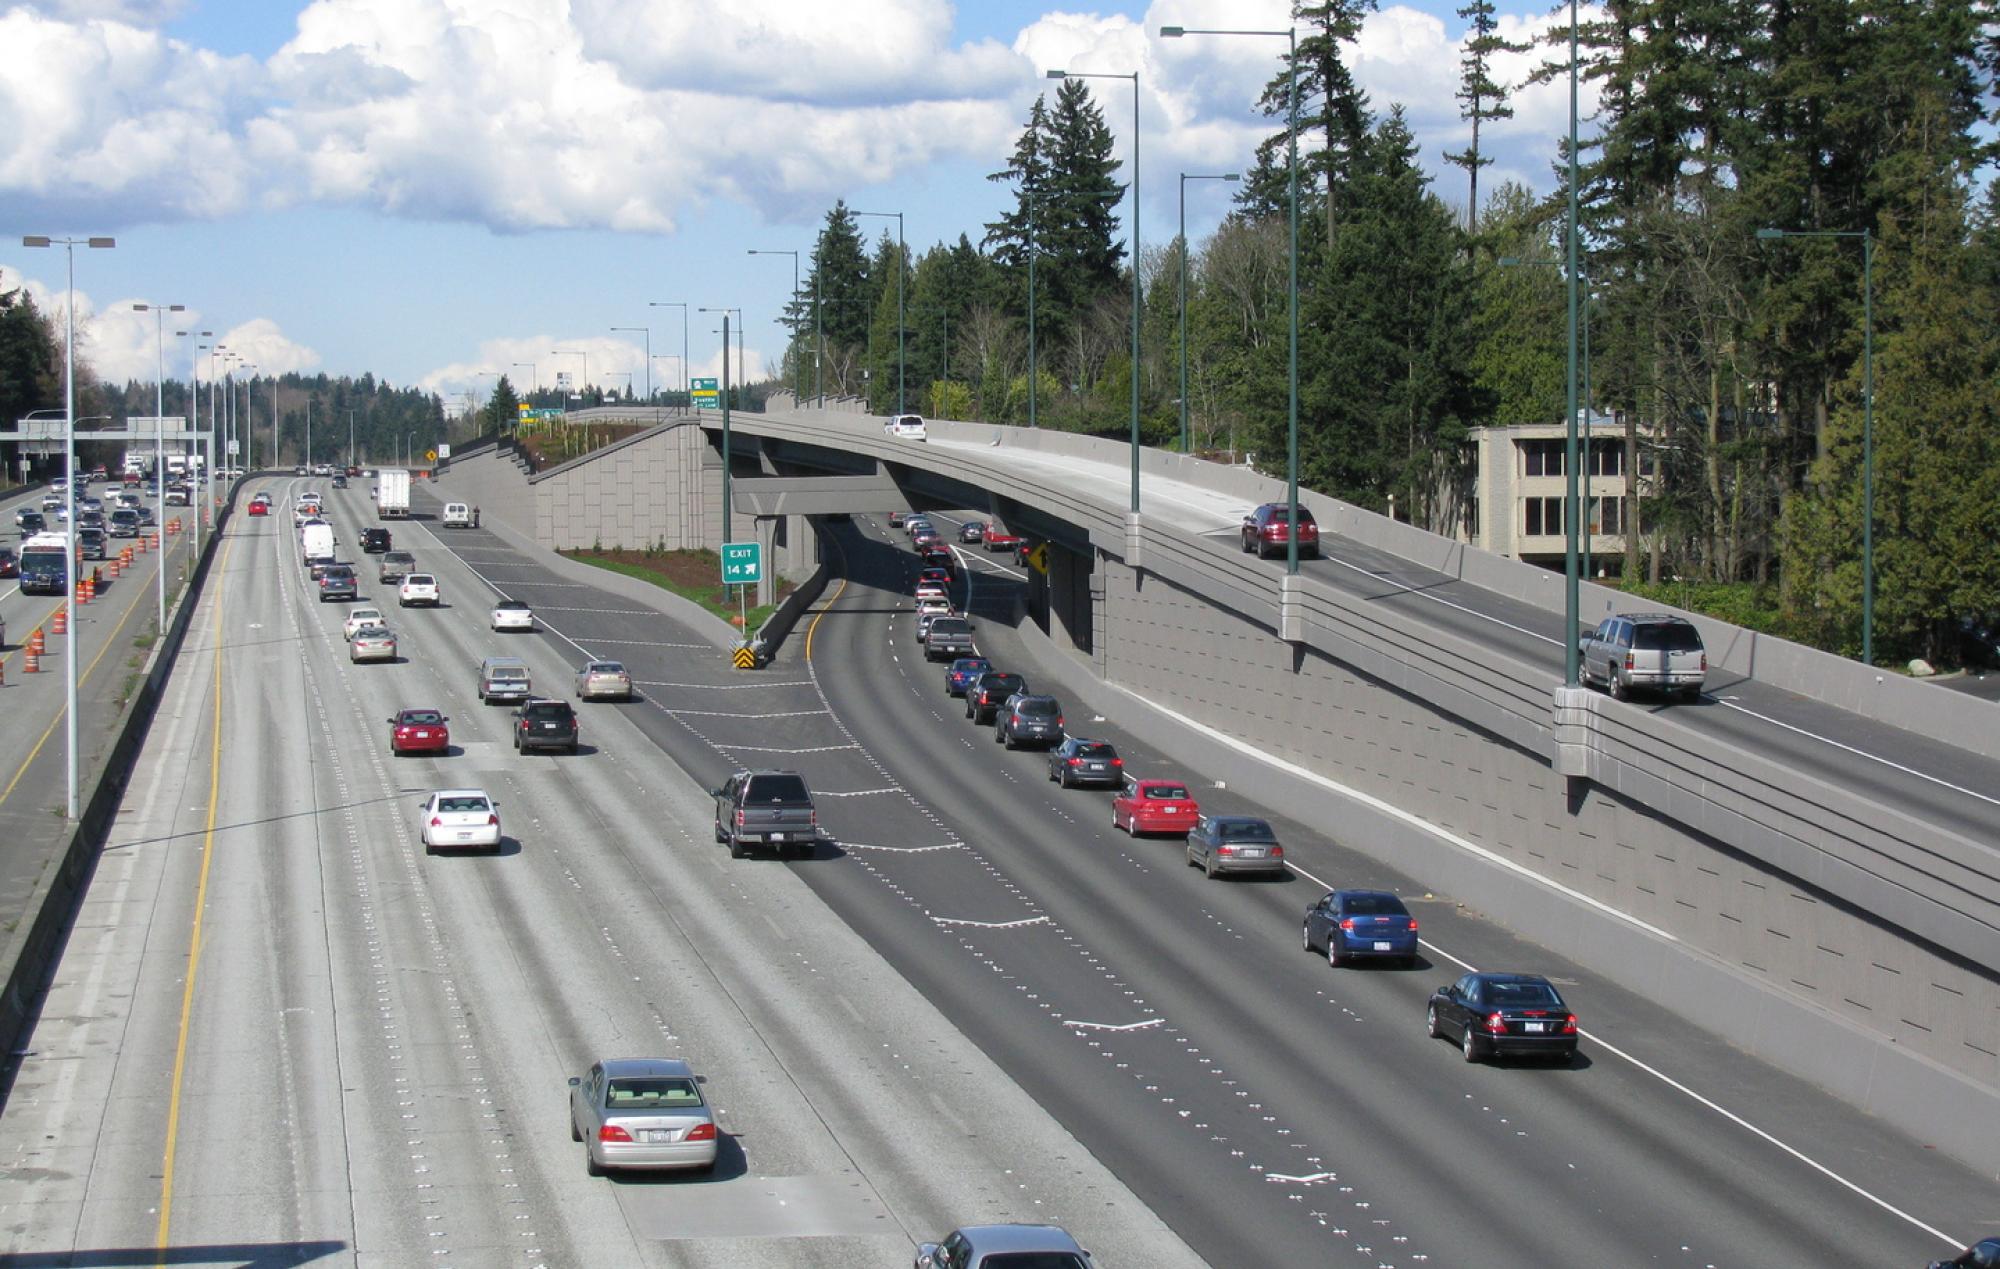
(534, 373)
(159, 312)
(798, 363)
(1185, 178)
(207, 483)
(901, 268)
(819, 327)
(1134, 77)
(687, 402)
(69, 246)
(585, 370)
(1572, 575)
(1292, 282)
(1867, 237)
(726, 457)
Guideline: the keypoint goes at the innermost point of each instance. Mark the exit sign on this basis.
(742, 563)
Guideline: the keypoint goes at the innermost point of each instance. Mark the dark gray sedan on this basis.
(1234, 843)
(1081, 760)
(641, 1113)
(994, 1246)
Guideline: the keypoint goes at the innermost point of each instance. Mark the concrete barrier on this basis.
(771, 635)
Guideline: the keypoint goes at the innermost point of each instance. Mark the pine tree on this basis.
(1480, 96)
(30, 359)
(1331, 105)
(835, 298)
(503, 411)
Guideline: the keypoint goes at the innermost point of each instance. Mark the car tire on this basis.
(735, 847)
(1469, 1046)
(1334, 959)
(1431, 1022)
(590, 1167)
(1620, 689)
(1306, 936)
(575, 1133)
(1243, 540)
(1208, 868)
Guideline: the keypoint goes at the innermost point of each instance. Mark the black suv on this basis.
(545, 724)
(1026, 719)
(374, 541)
(986, 696)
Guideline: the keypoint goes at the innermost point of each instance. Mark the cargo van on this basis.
(315, 540)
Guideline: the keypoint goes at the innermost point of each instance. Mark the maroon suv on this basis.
(1266, 531)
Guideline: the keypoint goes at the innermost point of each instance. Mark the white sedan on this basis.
(359, 617)
(512, 614)
(418, 588)
(459, 819)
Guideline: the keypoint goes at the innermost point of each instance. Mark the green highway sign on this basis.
(704, 393)
(742, 563)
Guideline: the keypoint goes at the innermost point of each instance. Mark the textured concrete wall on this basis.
(1306, 707)
(644, 492)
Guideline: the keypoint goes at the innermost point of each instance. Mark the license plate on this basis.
(1381, 946)
(422, 735)
(751, 837)
(1253, 852)
(1534, 1027)
(464, 835)
(657, 1134)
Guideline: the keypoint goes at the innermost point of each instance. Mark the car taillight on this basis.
(612, 1132)
(1413, 925)
(1496, 1022)
(1347, 923)
(1704, 663)
(436, 822)
(1628, 660)
(1059, 720)
(1117, 762)
(1225, 849)
(1569, 1024)
(1277, 852)
(739, 817)
(700, 1132)
(492, 821)
(1076, 762)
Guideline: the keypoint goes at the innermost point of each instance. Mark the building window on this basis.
(1607, 458)
(1543, 518)
(1542, 458)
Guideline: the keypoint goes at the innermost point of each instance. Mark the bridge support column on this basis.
(1291, 611)
(1575, 731)
(1134, 531)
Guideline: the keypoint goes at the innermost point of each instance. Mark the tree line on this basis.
(1731, 363)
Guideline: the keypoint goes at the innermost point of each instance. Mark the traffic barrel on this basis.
(36, 644)
(143, 545)
(32, 662)
(114, 566)
(62, 621)
(125, 557)
(87, 592)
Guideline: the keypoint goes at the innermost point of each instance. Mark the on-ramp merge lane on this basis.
(1277, 1109)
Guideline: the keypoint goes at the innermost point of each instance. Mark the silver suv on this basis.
(1653, 650)
(1028, 719)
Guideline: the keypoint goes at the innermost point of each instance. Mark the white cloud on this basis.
(130, 12)
(606, 361)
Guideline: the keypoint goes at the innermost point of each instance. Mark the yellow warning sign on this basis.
(745, 659)
(430, 455)
(1039, 557)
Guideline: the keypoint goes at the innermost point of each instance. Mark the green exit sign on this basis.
(742, 563)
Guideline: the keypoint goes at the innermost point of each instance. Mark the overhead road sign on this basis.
(742, 563)
(705, 395)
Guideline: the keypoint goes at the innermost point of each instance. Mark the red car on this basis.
(998, 540)
(1267, 531)
(260, 508)
(419, 731)
(1154, 806)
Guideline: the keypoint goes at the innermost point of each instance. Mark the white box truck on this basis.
(392, 494)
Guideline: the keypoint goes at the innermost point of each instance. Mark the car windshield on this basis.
(422, 717)
(1530, 995)
(1667, 636)
(1374, 905)
(776, 788)
(464, 806)
(1167, 792)
(1243, 830)
(635, 1094)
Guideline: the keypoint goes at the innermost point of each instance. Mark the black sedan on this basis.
(1984, 1254)
(1081, 760)
(1234, 843)
(1494, 1015)
(1351, 925)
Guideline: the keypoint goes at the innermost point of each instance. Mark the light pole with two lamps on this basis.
(725, 312)
(686, 401)
(159, 312)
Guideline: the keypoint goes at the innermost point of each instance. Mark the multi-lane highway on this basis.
(282, 1031)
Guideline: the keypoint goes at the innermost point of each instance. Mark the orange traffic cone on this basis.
(125, 557)
(114, 566)
(62, 620)
(36, 644)
(87, 593)
(32, 662)
(143, 547)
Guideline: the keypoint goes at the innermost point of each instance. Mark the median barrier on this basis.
(771, 635)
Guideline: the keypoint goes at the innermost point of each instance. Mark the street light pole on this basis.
(69, 246)
(725, 410)
(798, 363)
(207, 485)
(1185, 178)
(159, 312)
(1134, 77)
(687, 402)
(1867, 236)
(1292, 266)
(901, 269)
(1572, 593)
(647, 331)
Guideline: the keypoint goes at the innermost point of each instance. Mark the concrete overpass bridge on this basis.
(1815, 835)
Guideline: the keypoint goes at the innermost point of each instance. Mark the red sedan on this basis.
(1154, 806)
(998, 540)
(419, 731)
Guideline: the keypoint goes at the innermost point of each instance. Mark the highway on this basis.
(281, 1033)
(975, 1001)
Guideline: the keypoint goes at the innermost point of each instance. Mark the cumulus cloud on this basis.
(606, 361)
(130, 12)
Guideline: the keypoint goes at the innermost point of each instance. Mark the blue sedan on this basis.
(963, 673)
(1360, 924)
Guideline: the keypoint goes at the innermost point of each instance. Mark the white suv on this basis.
(907, 427)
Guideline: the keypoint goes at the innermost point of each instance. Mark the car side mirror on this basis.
(575, 1081)
(715, 793)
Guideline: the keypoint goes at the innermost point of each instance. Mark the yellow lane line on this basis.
(194, 934)
(110, 641)
(812, 627)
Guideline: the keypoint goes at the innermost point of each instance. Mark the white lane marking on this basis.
(1114, 1026)
(730, 687)
(612, 612)
(1729, 702)
(992, 925)
(900, 850)
(777, 749)
(1315, 1178)
(855, 793)
(654, 643)
(712, 713)
(1683, 1089)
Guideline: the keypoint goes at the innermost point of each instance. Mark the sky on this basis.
(439, 191)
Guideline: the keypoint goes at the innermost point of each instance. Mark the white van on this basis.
(907, 427)
(457, 516)
(315, 540)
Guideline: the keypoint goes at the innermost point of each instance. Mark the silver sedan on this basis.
(641, 1113)
(372, 643)
(599, 680)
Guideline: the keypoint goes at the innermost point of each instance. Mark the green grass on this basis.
(703, 595)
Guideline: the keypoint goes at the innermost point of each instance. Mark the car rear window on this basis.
(1529, 994)
(463, 805)
(1374, 905)
(1166, 792)
(950, 625)
(1096, 749)
(507, 672)
(1040, 707)
(1002, 684)
(421, 717)
(548, 709)
(422, 579)
(1244, 830)
(651, 1091)
(1670, 636)
(774, 789)
(607, 667)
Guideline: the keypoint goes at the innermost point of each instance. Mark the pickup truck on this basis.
(766, 808)
(948, 639)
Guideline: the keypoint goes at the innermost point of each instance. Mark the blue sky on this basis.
(427, 189)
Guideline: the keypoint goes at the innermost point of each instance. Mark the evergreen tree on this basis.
(1480, 97)
(30, 362)
(503, 411)
(835, 298)
(1331, 106)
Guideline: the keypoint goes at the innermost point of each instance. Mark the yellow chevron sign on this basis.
(1039, 557)
(745, 659)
